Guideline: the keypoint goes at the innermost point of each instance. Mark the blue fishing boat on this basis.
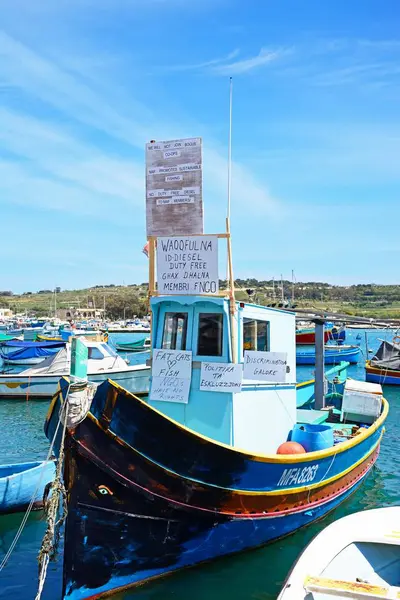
(333, 355)
(27, 353)
(217, 458)
(18, 483)
(155, 486)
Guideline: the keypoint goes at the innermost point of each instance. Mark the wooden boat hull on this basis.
(147, 497)
(332, 357)
(19, 481)
(307, 337)
(382, 376)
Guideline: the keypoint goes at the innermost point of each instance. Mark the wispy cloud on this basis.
(204, 65)
(54, 166)
(264, 57)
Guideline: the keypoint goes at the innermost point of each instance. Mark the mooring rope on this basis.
(57, 492)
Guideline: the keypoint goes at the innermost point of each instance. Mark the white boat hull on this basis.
(356, 557)
(44, 386)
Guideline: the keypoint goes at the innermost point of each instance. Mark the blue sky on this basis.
(316, 132)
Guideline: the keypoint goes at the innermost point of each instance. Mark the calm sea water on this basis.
(256, 575)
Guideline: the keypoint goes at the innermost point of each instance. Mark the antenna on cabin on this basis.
(228, 214)
(230, 277)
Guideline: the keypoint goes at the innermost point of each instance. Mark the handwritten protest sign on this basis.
(171, 375)
(265, 366)
(187, 265)
(174, 204)
(221, 377)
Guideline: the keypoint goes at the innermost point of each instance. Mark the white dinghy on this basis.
(355, 557)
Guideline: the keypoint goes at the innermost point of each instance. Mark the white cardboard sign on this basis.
(265, 366)
(187, 265)
(171, 375)
(221, 377)
(172, 363)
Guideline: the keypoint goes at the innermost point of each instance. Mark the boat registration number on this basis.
(297, 475)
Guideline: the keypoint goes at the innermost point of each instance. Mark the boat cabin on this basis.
(259, 417)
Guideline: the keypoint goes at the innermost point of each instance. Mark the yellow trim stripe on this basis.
(275, 458)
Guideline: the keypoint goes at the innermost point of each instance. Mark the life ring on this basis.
(396, 339)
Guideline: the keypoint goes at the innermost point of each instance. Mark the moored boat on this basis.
(155, 486)
(356, 557)
(384, 367)
(28, 353)
(42, 381)
(333, 355)
(18, 483)
(137, 346)
(305, 336)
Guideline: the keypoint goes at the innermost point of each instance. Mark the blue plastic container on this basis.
(313, 437)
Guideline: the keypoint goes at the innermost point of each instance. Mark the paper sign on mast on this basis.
(174, 203)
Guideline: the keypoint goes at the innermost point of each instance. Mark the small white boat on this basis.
(355, 557)
(103, 363)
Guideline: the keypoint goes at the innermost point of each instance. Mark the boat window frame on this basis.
(245, 320)
(205, 314)
(175, 313)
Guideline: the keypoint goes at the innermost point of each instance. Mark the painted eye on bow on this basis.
(103, 489)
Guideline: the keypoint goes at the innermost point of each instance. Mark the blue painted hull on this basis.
(146, 545)
(382, 379)
(307, 357)
(19, 481)
(147, 496)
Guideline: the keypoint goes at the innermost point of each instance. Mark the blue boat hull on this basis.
(18, 483)
(382, 379)
(331, 358)
(149, 538)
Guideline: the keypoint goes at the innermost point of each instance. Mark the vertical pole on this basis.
(319, 364)
(273, 289)
(282, 294)
(228, 214)
(232, 303)
(152, 284)
(228, 210)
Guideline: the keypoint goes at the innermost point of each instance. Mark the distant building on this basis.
(79, 314)
(58, 290)
(5, 312)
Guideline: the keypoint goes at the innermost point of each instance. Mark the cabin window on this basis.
(255, 335)
(175, 330)
(209, 341)
(94, 353)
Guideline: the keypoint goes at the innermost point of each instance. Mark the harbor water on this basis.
(255, 575)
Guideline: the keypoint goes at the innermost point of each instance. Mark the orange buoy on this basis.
(290, 448)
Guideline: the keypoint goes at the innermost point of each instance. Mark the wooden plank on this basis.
(347, 589)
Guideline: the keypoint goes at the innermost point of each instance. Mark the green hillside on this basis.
(375, 301)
